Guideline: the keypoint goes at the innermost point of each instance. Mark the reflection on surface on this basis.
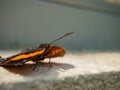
(42, 67)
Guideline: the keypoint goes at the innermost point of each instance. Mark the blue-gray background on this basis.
(25, 23)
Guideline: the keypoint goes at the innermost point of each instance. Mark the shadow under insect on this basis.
(42, 68)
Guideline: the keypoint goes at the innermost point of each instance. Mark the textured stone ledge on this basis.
(75, 71)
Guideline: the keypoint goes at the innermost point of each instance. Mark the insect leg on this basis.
(50, 63)
(1, 59)
(36, 63)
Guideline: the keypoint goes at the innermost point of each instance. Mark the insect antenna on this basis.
(60, 38)
(50, 43)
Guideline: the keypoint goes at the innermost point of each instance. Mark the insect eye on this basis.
(42, 45)
(47, 45)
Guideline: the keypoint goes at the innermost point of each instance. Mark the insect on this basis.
(35, 54)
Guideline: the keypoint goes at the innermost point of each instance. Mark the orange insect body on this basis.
(36, 54)
(25, 56)
(53, 52)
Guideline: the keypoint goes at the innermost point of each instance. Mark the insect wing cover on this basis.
(23, 56)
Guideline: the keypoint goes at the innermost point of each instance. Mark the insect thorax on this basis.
(44, 45)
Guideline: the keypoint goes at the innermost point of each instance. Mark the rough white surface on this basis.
(78, 65)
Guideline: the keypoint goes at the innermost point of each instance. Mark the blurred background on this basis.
(26, 23)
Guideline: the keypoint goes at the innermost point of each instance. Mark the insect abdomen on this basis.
(23, 56)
